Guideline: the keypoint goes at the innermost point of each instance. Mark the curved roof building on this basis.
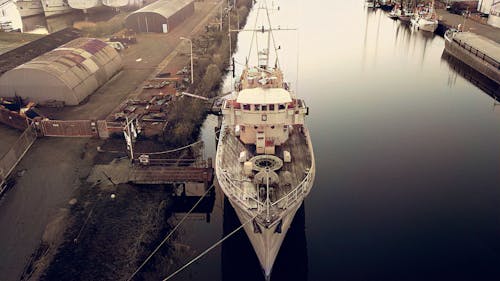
(160, 16)
(69, 73)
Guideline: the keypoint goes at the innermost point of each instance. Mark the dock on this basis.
(479, 52)
(448, 20)
(170, 175)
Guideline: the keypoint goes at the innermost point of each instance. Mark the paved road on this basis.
(55, 166)
(7, 137)
(488, 31)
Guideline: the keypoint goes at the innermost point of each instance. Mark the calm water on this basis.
(408, 157)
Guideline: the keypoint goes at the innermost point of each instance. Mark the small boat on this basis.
(122, 3)
(403, 13)
(425, 19)
(55, 7)
(386, 5)
(10, 17)
(395, 12)
(85, 5)
(406, 16)
(29, 8)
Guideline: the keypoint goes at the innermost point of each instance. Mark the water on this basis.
(407, 154)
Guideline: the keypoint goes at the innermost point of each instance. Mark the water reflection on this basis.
(407, 180)
(239, 261)
(186, 197)
(457, 67)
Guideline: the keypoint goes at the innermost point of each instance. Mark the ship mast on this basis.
(263, 56)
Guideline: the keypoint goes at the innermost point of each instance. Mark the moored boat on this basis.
(122, 3)
(425, 19)
(265, 161)
(406, 16)
(395, 12)
(55, 7)
(85, 5)
(29, 8)
(10, 18)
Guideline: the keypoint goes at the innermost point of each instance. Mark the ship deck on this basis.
(297, 168)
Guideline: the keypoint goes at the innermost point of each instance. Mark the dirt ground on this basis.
(55, 167)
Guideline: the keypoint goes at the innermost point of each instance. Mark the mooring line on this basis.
(152, 153)
(173, 150)
(170, 234)
(209, 249)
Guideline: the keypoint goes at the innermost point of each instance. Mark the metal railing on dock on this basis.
(478, 53)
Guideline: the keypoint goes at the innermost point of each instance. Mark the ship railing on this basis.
(246, 199)
(298, 193)
(301, 190)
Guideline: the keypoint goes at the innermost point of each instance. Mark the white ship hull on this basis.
(85, 5)
(55, 7)
(29, 8)
(425, 24)
(122, 3)
(267, 241)
(10, 17)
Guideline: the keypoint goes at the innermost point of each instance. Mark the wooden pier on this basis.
(170, 175)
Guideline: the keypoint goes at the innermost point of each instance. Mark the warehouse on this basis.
(68, 74)
(160, 16)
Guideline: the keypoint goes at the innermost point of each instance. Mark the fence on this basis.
(478, 53)
(13, 119)
(10, 159)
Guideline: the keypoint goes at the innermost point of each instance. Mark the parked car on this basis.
(117, 45)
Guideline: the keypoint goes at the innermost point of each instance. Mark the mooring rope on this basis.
(173, 150)
(209, 249)
(153, 153)
(170, 234)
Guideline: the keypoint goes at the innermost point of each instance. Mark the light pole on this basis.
(191, 42)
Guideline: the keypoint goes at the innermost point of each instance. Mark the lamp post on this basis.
(191, 43)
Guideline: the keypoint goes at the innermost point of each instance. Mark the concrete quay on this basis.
(449, 20)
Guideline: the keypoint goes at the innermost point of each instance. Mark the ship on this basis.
(122, 3)
(55, 7)
(85, 5)
(264, 161)
(10, 18)
(426, 19)
(29, 8)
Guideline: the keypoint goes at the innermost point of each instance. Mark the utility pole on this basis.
(191, 43)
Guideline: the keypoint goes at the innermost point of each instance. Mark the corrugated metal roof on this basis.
(74, 61)
(165, 8)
